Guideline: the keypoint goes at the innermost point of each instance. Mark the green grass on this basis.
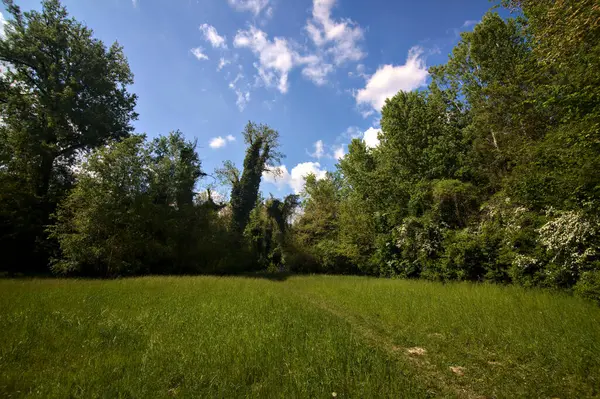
(300, 337)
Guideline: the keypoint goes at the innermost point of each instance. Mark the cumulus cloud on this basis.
(319, 150)
(317, 72)
(220, 142)
(253, 6)
(212, 36)
(275, 58)
(390, 79)
(295, 179)
(334, 42)
(198, 53)
(217, 142)
(371, 138)
(353, 132)
(341, 39)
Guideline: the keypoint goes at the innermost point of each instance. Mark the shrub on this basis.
(419, 244)
(588, 285)
(454, 201)
(464, 258)
(571, 240)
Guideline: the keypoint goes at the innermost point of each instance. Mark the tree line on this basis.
(491, 173)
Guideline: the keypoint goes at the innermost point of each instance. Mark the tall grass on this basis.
(511, 341)
(301, 337)
(186, 337)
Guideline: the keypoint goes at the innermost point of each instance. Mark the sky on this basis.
(317, 71)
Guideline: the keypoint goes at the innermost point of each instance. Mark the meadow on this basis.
(298, 336)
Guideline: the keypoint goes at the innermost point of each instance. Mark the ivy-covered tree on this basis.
(262, 155)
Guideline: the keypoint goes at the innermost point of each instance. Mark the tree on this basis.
(131, 211)
(176, 169)
(262, 155)
(100, 225)
(63, 93)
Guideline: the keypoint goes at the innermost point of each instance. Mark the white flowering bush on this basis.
(571, 241)
(419, 242)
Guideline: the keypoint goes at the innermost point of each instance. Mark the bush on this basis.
(464, 258)
(588, 285)
(454, 202)
(419, 243)
(572, 242)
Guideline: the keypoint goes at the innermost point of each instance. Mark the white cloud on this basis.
(319, 150)
(222, 63)
(243, 98)
(370, 137)
(220, 142)
(254, 6)
(469, 23)
(353, 132)
(389, 80)
(340, 38)
(275, 58)
(233, 83)
(217, 142)
(296, 178)
(135, 3)
(335, 42)
(212, 36)
(338, 153)
(199, 54)
(317, 72)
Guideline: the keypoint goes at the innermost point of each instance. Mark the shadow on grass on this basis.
(273, 276)
(277, 276)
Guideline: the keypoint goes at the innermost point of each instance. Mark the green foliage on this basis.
(64, 92)
(490, 174)
(588, 285)
(131, 212)
(454, 202)
(572, 241)
(262, 155)
(317, 230)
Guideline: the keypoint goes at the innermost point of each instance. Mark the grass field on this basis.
(296, 337)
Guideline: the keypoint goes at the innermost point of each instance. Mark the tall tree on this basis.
(63, 92)
(262, 155)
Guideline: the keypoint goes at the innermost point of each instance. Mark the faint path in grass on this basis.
(431, 376)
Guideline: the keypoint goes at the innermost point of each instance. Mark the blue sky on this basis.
(315, 70)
